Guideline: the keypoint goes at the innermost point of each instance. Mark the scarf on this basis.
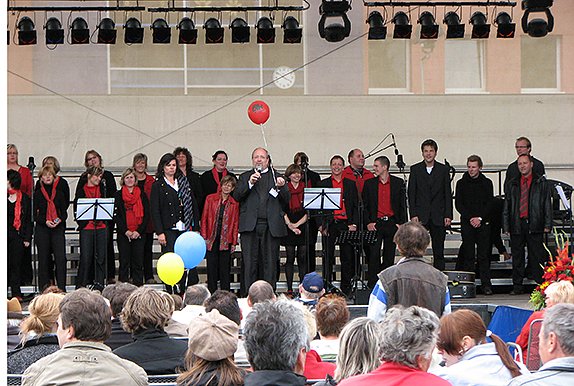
(134, 207)
(296, 202)
(51, 212)
(216, 177)
(17, 208)
(184, 193)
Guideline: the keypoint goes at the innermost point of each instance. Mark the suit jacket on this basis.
(120, 213)
(350, 198)
(165, 207)
(430, 195)
(398, 199)
(249, 200)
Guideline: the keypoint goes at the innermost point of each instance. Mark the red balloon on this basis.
(258, 112)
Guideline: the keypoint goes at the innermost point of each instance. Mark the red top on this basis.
(230, 226)
(93, 192)
(359, 179)
(528, 180)
(315, 368)
(522, 339)
(385, 208)
(340, 214)
(394, 374)
(27, 183)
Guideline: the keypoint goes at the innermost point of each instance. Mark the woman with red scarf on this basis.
(211, 179)
(131, 216)
(51, 202)
(219, 228)
(19, 230)
(295, 218)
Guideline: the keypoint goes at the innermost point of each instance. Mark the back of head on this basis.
(560, 292)
(408, 333)
(332, 314)
(412, 239)
(275, 333)
(359, 348)
(560, 321)
(117, 294)
(226, 303)
(195, 295)
(260, 291)
(89, 314)
(147, 309)
(44, 311)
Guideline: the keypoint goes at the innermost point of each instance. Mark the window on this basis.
(540, 64)
(389, 63)
(464, 66)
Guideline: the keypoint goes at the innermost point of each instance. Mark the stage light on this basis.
(161, 33)
(334, 31)
(505, 26)
(80, 31)
(429, 27)
(26, 31)
(133, 31)
(291, 31)
(454, 30)
(213, 31)
(377, 28)
(537, 28)
(480, 28)
(187, 31)
(403, 28)
(240, 32)
(265, 30)
(54, 31)
(107, 32)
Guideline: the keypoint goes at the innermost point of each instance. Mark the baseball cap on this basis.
(313, 282)
(212, 336)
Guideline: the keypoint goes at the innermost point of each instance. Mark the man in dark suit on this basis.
(430, 198)
(522, 146)
(384, 199)
(345, 219)
(261, 194)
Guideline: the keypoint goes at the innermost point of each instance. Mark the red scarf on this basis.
(17, 208)
(216, 177)
(296, 202)
(134, 207)
(51, 212)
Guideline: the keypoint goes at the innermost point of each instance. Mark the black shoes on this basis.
(516, 291)
(487, 291)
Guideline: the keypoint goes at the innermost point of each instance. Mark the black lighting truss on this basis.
(486, 3)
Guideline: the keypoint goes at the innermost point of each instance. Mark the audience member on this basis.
(276, 341)
(226, 303)
(409, 336)
(85, 322)
(117, 294)
(310, 290)
(39, 337)
(14, 318)
(259, 292)
(332, 314)
(315, 368)
(177, 301)
(411, 281)
(556, 350)
(193, 304)
(145, 314)
(470, 360)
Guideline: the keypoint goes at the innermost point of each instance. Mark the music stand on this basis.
(95, 209)
(357, 240)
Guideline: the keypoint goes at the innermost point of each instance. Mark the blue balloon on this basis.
(190, 246)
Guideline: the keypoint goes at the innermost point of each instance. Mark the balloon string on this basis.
(263, 133)
(187, 279)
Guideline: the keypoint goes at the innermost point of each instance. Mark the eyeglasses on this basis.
(520, 147)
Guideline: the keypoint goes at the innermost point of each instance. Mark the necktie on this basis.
(524, 198)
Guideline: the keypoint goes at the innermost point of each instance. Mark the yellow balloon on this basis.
(170, 268)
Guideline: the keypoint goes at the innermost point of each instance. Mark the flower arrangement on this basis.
(557, 269)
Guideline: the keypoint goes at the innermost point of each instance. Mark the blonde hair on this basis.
(147, 309)
(359, 348)
(44, 311)
(126, 173)
(560, 292)
(54, 161)
(47, 169)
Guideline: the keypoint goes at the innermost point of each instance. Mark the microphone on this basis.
(31, 165)
(258, 168)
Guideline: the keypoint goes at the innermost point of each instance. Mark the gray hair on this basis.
(559, 319)
(274, 333)
(408, 333)
(359, 348)
(412, 239)
(196, 295)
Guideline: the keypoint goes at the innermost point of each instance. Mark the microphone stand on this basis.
(33, 256)
(304, 166)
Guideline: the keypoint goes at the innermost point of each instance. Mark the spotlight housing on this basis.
(334, 32)
(505, 26)
(429, 27)
(265, 30)
(161, 32)
(187, 31)
(403, 28)
(80, 31)
(480, 28)
(291, 32)
(537, 27)
(377, 28)
(107, 32)
(133, 31)
(54, 31)
(26, 31)
(213, 31)
(240, 32)
(454, 30)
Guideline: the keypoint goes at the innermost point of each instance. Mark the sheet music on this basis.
(86, 207)
(563, 197)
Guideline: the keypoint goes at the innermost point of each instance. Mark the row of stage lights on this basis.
(79, 32)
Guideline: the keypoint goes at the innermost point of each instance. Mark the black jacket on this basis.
(108, 184)
(61, 201)
(119, 336)
(539, 206)
(81, 194)
(274, 378)
(120, 213)
(371, 199)
(474, 197)
(166, 209)
(512, 171)
(208, 184)
(430, 195)
(195, 182)
(26, 225)
(350, 198)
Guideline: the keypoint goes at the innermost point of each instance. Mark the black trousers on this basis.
(218, 268)
(479, 237)
(385, 232)
(131, 259)
(15, 256)
(51, 241)
(111, 254)
(437, 235)
(292, 252)
(148, 256)
(537, 255)
(312, 246)
(93, 255)
(172, 235)
(346, 256)
(260, 256)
